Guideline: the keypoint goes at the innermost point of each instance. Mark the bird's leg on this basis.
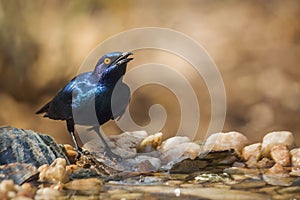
(107, 150)
(71, 129)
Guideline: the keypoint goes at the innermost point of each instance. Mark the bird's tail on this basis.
(44, 109)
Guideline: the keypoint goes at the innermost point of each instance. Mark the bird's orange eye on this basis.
(106, 61)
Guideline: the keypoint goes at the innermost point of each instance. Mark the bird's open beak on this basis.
(123, 58)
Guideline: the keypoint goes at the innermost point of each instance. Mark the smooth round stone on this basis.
(281, 155)
(184, 150)
(251, 150)
(173, 142)
(226, 141)
(272, 139)
(295, 153)
(150, 143)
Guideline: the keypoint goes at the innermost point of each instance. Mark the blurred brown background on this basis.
(255, 44)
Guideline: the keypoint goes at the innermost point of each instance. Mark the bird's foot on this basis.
(112, 156)
(80, 152)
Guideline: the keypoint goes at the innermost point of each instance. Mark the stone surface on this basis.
(275, 138)
(265, 163)
(295, 171)
(208, 161)
(281, 155)
(26, 146)
(123, 145)
(278, 169)
(251, 154)
(18, 172)
(150, 143)
(48, 194)
(278, 180)
(55, 173)
(70, 152)
(226, 141)
(8, 190)
(173, 142)
(252, 150)
(295, 154)
(145, 163)
(180, 151)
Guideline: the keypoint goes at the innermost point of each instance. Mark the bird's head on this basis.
(112, 65)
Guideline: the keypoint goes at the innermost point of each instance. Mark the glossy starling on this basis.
(87, 98)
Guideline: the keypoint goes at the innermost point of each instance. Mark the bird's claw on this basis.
(81, 152)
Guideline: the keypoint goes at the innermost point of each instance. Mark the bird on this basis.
(93, 98)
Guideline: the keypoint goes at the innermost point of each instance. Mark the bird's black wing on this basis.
(60, 107)
(120, 101)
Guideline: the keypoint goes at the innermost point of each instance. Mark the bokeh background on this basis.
(255, 45)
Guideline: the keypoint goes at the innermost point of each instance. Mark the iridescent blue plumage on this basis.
(87, 98)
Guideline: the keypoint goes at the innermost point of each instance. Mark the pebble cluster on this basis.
(274, 161)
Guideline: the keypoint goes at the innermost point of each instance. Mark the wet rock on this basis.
(249, 184)
(173, 142)
(292, 189)
(55, 173)
(272, 139)
(209, 161)
(280, 154)
(188, 166)
(84, 173)
(29, 147)
(226, 141)
(225, 157)
(212, 178)
(295, 154)
(18, 172)
(245, 172)
(280, 180)
(180, 151)
(150, 143)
